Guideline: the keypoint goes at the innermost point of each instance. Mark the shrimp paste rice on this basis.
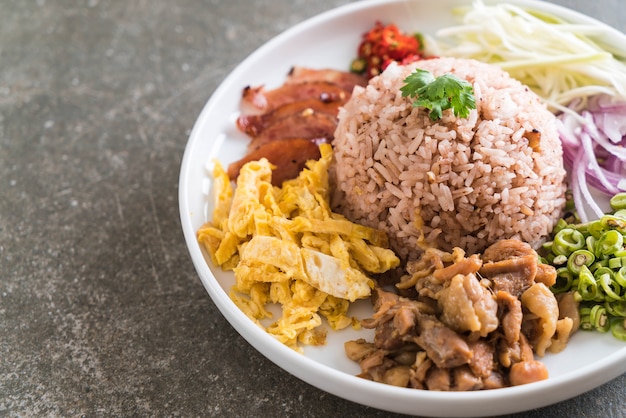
(464, 182)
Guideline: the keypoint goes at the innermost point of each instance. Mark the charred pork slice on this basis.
(268, 100)
(317, 127)
(254, 125)
(345, 80)
(288, 155)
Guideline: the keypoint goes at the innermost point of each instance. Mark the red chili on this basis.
(382, 45)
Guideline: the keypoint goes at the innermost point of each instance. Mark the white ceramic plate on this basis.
(330, 40)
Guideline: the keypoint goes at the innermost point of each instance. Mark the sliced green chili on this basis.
(559, 260)
(618, 201)
(560, 224)
(610, 287)
(579, 258)
(609, 243)
(615, 263)
(620, 276)
(599, 264)
(590, 241)
(587, 286)
(585, 319)
(568, 240)
(595, 229)
(590, 261)
(618, 328)
(564, 279)
(616, 308)
(599, 318)
(612, 222)
(620, 213)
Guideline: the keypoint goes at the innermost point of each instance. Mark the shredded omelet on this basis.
(285, 246)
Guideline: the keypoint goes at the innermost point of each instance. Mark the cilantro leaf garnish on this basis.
(439, 93)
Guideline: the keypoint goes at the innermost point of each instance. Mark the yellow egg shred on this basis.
(286, 247)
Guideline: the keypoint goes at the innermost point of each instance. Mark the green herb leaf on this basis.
(439, 93)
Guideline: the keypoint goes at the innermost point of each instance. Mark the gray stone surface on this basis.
(101, 312)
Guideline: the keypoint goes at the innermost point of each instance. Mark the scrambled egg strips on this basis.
(286, 247)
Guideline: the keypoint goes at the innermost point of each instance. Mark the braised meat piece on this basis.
(511, 265)
(506, 249)
(512, 316)
(403, 321)
(444, 346)
(527, 372)
(474, 322)
(546, 274)
(483, 359)
(394, 320)
(540, 328)
(464, 379)
(468, 306)
(469, 265)
(438, 379)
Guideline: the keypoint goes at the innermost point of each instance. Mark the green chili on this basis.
(568, 240)
(585, 319)
(564, 279)
(590, 262)
(618, 201)
(618, 328)
(609, 243)
(599, 264)
(620, 213)
(560, 224)
(587, 286)
(612, 222)
(615, 263)
(609, 286)
(595, 229)
(599, 319)
(578, 259)
(560, 260)
(620, 276)
(616, 308)
(590, 241)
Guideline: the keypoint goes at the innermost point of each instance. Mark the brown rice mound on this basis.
(464, 182)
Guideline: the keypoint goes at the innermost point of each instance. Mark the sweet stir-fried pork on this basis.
(304, 108)
(472, 322)
(255, 124)
(269, 100)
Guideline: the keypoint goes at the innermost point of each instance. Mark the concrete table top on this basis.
(101, 311)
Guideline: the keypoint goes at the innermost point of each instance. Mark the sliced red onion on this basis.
(599, 135)
(576, 190)
(592, 165)
(594, 149)
(608, 114)
(580, 189)
(613, 125)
